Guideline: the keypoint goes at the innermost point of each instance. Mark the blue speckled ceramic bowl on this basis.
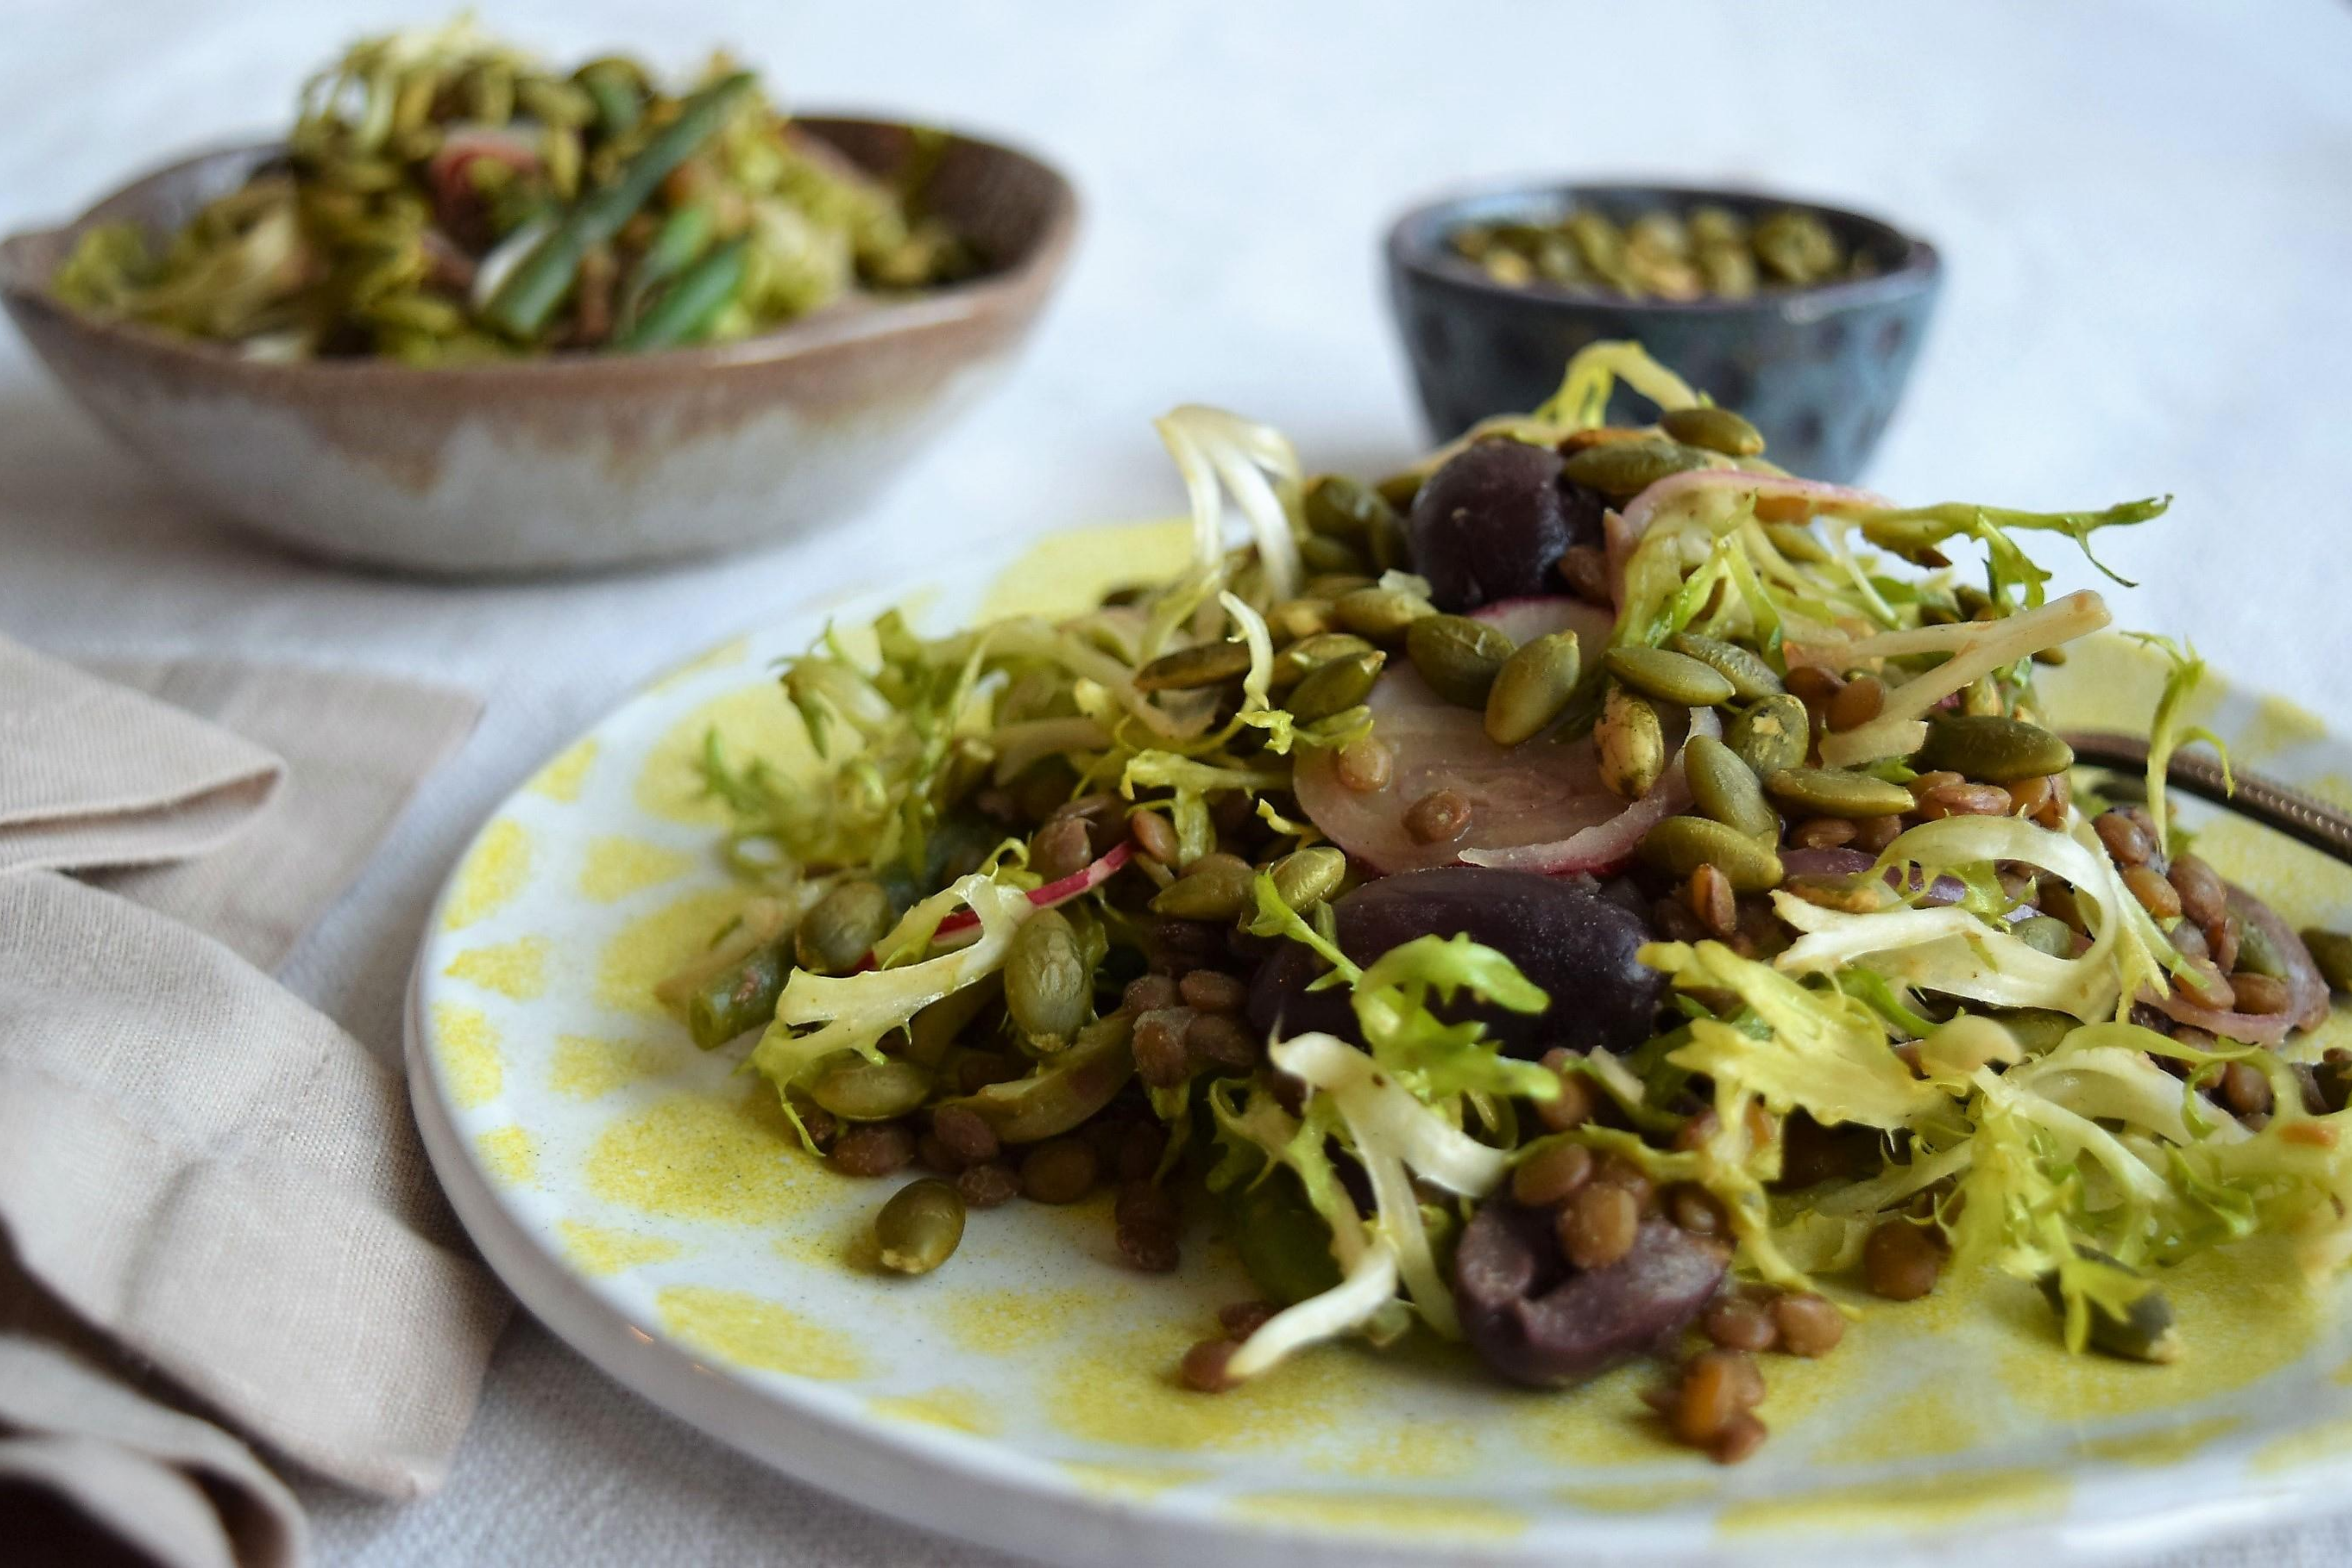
(1818, 370)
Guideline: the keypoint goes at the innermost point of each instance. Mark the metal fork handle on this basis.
(2303, 818)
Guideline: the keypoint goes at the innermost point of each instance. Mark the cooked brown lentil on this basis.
(1151, 993)
(1810, 1325)
(975, 1070)
(2205, 984)
(1060, 848)
(1161, 1059)
(1822, 833)
(1141, 1150)
(1552, 1176)
(1716, 1386)
(1205, 1366)
(1695, 1209)
(1573, 1106)
(1856, 703)
(1213, 991)
(2261, 993)
(1441, 816)
(875, 1149)
(2203, 897)
(1814, 687)
(966, 1134)
(1155, 836)
(2126, 840)
(1741, 1436)
(1585, 568)
(1874, 834)
(2155, 894)
(1901, 1260)
(1964, 800)
(1598, 1226)
(1059, 1170)
(1741, 1323)
(1220, 1040)
(1149, 1249)
(1710, 898)
(2245, 1089)
(2225, 940)
(988, 1186)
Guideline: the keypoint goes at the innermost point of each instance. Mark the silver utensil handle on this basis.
(2303, 818)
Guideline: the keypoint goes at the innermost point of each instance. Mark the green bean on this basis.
(740, 998)
(613, 86)
(529, 296)
(680, 240)
(685, 311)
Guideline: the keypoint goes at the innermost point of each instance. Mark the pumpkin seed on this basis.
(860, 1091)
(2144, 1333)
(1834, 792)
(1047, 982)
(920, 1227)
(1333, 586)
(1726, 789)
(2330, 951)
(1774, 735)
(1681, 845)
(1304, 877)
(1751, 679)
(1190, 669)
(1064, 1091)
(1215, 888)
(1532, 688)
(1992, 748)
(1401, 490)
(1715, 429)
(1295, 619)
(1335, 687)
(1384, 614)
(1309, 654)
(837, 933)
(2045, 933)
(1798, 542)
(1623, 469)
(1632, 744)
(1321, 552)
(1457, 656)
(1668, 677)
(1337, 507)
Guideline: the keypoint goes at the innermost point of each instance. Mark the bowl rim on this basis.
(855, 320)
(1411, 246)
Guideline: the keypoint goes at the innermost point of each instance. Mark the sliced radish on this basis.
(1059, 892)
(1539, 806)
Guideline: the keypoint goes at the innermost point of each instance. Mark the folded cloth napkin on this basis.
(214, 1200)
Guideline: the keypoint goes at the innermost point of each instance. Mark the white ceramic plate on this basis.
(645, 1202)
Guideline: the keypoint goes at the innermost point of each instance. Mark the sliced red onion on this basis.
(1606, 847)
(2307, 999)
(1843, 862)
(1056, 892)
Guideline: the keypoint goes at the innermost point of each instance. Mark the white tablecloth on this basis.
(2147, 212)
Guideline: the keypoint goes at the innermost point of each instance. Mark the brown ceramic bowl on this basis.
(570, 462)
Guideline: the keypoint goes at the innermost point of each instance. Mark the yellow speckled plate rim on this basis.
(2132, 1485)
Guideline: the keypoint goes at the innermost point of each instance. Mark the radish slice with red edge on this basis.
(1540, 807)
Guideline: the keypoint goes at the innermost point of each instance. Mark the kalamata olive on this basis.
(1492, 522)
(1538, 1321)
(1566, 936)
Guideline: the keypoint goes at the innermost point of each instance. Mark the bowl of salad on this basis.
(1803, 318)
(475, 313)
(1517, 1008)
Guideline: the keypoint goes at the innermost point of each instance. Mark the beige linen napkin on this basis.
(215, 1197)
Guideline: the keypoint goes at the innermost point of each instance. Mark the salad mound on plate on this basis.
(1592, 895)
